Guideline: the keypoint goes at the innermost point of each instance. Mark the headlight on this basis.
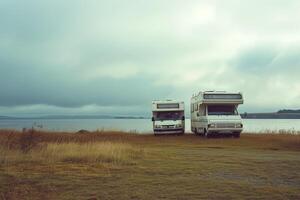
(211, 125)
(157, 126)
(178, 125)
(239, 125)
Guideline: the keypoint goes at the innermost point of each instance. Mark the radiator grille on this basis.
(168, 126)
(225, 125)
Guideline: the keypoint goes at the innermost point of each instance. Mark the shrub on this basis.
(28, 140)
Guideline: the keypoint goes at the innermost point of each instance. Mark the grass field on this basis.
(115, 165)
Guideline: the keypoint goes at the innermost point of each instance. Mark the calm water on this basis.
(139, 125)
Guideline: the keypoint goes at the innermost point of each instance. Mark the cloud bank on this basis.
(74, 57)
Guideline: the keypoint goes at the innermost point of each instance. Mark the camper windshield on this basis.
(221, 110)
(171, 115)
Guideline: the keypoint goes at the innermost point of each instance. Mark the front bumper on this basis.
(168, 131)
(224, 130)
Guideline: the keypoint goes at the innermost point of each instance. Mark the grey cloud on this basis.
(268, 59)
(47, 48)
(28, 85)
(288, 59)
(256, 59)
(267, 18)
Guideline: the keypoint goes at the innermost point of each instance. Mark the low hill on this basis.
(281, 114)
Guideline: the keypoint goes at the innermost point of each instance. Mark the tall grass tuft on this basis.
(95, 152)
(36, 146)
(92, 152)
(28, 140)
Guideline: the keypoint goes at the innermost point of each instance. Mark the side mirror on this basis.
(152, 119)
(183, 118)
(198, 114)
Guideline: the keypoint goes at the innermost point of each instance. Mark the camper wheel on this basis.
(206, 134)
(203, 131)
(236, 135)
(180, 133)
(195, 131)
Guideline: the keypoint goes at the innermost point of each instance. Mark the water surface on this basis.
(137, 125)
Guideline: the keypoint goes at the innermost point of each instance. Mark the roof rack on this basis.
(210, 91)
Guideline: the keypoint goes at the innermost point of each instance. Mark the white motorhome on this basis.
(168, 117)
(215, 112)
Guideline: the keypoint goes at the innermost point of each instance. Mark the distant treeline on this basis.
(281, 114)
(289, 111)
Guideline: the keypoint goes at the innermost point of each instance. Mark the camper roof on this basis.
(167, 105)
(219, 97)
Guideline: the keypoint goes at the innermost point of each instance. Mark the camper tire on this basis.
(236, 135)
(206, 134)
(198, 132)
(195, 131)
(202, 134)
(180, 133)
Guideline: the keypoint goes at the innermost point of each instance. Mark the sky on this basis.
(115, 57)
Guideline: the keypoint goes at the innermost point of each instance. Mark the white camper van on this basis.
(168, 117)
(215, 112)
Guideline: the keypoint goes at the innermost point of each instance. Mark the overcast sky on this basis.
(115, 57)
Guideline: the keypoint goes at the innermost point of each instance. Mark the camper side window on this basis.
(202, 110)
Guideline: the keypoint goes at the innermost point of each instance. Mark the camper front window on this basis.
(221, 110)
(173, 115)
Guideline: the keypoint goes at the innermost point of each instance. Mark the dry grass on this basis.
(281, 131)
(98, 165)
(31, 146)
(110, 152)
(96, 152)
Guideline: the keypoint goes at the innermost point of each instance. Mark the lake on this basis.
(138, 125)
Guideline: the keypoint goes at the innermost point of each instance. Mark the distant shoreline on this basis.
(244, 116)
(72, 117)
(281, 114)
(270, 115)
